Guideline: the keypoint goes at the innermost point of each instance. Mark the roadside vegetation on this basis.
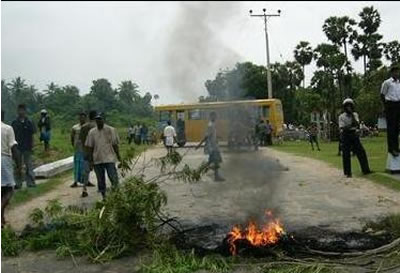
(27, 194)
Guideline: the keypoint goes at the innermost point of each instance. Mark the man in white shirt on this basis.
(390, 95)
(169, 137)
(9, 151)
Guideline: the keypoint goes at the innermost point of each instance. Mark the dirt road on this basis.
(302, 192)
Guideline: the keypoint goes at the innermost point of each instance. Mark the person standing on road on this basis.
(9, 151)
(262, 129)
(349, 125)
(137, 130)
(131, 134)
(313, 131)
(268, 133)
(45, 129)
(24, 130)
(390, 95)
(86, 163)
(169, 137)
(103, 142)
(211, 147)
(78, 147)
(143, 134)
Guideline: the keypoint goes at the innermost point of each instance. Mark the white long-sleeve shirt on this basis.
(391, 89)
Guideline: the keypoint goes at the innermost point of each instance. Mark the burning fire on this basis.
(268, 234)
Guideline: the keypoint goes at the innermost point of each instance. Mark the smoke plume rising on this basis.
(194, 52)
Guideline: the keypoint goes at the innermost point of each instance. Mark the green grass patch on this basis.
(26, 194)
(167, 258)
(60, 147)
(376, 152)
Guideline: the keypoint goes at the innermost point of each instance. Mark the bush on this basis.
(11, 245)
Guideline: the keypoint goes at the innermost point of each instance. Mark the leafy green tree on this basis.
(368, 102)
(340, 31)
(392, 52)
(367, 44)
(65, 101)
(20, 92)
(128, 91)
(332, 61)
(307, 101)
(7, 103)
(103, 94)
(286, 79)
(303, 54)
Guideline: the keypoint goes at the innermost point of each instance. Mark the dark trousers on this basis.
(26, 158)
(351, 142)
(100, 170)
(268, 139)
(393, 125)
(314, 139)
(130, 138)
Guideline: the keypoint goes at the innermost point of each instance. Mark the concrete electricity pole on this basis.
(269, 81)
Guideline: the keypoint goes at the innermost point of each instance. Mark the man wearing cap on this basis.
(103, 142)
(24, 130)
(390, 95)
(83, 133)
(349, 125)
(78, 147)
(44, 128)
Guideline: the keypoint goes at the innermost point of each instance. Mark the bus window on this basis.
(264, 112)
(205, 113)
(180, 114)
(165, 115)
(195, 114)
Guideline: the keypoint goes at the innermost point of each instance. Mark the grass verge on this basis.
(26, 194)
(376, 152)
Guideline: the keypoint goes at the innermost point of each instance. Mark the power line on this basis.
(266, 16)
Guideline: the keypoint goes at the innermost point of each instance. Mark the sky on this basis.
(167, 48)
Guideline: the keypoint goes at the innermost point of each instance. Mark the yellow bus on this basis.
(195, 116)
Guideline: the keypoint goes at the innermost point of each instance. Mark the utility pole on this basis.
(269, 81)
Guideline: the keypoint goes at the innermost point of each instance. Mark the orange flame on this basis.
(269, 234)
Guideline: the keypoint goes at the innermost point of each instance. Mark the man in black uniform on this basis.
(349, 125)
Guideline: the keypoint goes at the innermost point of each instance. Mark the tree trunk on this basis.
(345, 49)
(340, 86)
(365, 64)
(304, 77)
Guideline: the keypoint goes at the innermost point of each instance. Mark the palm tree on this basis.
(340, 31)
(303, 54)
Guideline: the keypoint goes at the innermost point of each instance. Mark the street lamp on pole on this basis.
(266, 16)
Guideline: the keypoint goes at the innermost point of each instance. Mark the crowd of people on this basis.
(141, 134)
(96, 144)
(96, 148)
